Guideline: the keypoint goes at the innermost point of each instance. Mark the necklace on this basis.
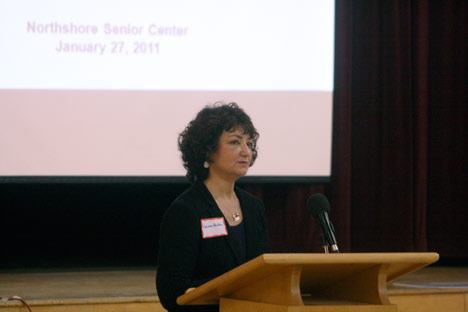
(236, 216)
(227, 208)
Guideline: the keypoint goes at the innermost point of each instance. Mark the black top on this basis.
(188, 259)
(238, 239)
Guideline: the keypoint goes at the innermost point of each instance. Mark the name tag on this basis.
(213, 227)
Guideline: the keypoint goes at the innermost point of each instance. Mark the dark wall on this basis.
(82, 224)
(102, 224)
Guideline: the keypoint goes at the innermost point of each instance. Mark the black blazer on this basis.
(186, 259)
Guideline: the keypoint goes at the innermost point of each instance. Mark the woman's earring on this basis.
(206, 165)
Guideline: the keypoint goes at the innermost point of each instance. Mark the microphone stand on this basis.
(329, 243)
(327, 248)
(325, 245)
(333, 248)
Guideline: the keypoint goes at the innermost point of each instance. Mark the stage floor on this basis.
(138, 286)
(79, 284)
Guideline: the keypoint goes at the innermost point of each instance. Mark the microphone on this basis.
(319, 207)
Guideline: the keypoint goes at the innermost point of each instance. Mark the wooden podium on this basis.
(309, 282)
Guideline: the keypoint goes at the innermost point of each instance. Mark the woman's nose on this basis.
(245, 149)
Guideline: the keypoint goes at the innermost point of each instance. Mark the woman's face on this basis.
(233, 157)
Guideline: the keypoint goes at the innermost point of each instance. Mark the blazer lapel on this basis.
(214, 211)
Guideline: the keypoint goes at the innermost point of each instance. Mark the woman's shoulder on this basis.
(192, 194)
(191, 197)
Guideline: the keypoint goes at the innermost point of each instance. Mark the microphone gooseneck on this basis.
(319, 207)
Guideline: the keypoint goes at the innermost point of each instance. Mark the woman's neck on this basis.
(220, 188)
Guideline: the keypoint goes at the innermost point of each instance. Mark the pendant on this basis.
(236, 216)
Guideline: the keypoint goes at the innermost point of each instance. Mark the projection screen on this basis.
(103, 88)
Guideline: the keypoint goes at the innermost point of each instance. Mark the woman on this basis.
(213, 226)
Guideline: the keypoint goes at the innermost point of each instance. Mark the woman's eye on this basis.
(235, 142)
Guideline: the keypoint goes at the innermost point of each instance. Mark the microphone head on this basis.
(317, 204)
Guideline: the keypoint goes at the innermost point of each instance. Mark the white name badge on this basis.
(213, 227)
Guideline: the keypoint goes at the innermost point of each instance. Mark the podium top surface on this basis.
(317, 270)
(348, 258)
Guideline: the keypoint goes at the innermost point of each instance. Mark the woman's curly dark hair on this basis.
(200, 138)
